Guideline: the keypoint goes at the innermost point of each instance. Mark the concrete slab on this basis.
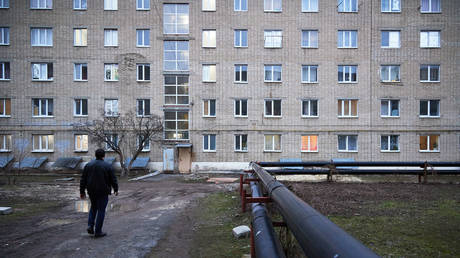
(146, 176)
(241, 231)
(6, 210)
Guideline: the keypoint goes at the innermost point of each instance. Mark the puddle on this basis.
(82, 206)
(125, 206)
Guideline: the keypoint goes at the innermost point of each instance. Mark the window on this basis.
(176, 90)
(79, 4)
(209, 38)
(4, 3)
(347, 73)
(111, 72)
(309, 5)
(110, 37)
(431, 6)
(208, 5)
(272, 108)
(143, 107)
(5, 142)
(209, 108)
(389, 73)
(241, 142)
(309, 143)
(209, 73)
(241, 73)
(390, 39)
(42, 71)
(4, 35)
(41, 4)
(143, 38)
(175, 56)
(240, 5)
(80, 107)
(143, 5)
(241, 38)
(430, 39)
(146, 143)
(5, 107)
(390, 6)
(143, 72)
(111, 107)
(429, 143)
(41, 37)
(309, 39)
(309, 73)
(241, 108)
(429, 108)
(347, 5)
(389, 108)
(43, 143)
(273, 38)
(80, 72)
(310, 108)
(176, 125)
(175, 19)
(81, 142)
(347, 38)
(4, 70)
(348, 143)
(272, 73)
(111, 5)
(347, 107)
(429, 73)
(389, 143)
(42, 107)
(113, 139)
(80, 37)
(209, 142)
(272, 142)
(273, 5)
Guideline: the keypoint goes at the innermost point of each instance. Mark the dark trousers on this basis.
(97, 212)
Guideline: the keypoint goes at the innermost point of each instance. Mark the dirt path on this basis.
(135, 221)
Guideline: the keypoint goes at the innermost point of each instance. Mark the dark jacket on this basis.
(98, 177)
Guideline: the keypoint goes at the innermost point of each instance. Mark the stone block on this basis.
(241, 231)
(6, 210)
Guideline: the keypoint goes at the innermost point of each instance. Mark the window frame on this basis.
(207, 139)
(390, 7)
(428, 108)
(240, 140)
(6, 107)
(429, 32)
(176, 18)
(240, 6)
(177, 131)
(143, 33)
(48, 5)
(48, 102)
(344, 72)
(208, 106)
(350, 102)
(5, 70)
(144, 68)
(272, 72)
(309, 10)
(207, 41)
(428, 141)
(389, 108)
(429, 67)
(389, 32)
(146, 147)
(112, 39)
(390, 69)
(80, 66)
(4, 4)
(239, 104)
(347, 145)
(310, 103)
(273, 142)
(430, 7)
(82, 140)
(342, 2)
(75, 7)
(211, 8)
(272, 9)
(6, 141)
(388, 142)
(83, 37)
(309, 70)
(177, 52)
(243, 33)
(271, 34)
(40, 31)
(347, 45)
(79, 105)
(177, 95)
(272, 108)
(310, 45)
(112, 137)
(110, 5)
(49, 66)
(208, 69)
(112, 112)
(5, 35)
(47, 148)
(239, 70)
(141, 112)
(309, 147)
(142, 8)
(114, 76)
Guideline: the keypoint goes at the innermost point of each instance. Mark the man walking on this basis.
(98, 178)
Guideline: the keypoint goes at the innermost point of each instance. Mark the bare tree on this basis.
(20, 149)
(126, 134)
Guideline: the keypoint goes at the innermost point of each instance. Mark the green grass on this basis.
(25, 208)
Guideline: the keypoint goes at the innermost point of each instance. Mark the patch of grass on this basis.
(25, 208)
(217, 214)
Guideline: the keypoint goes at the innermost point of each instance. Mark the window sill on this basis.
(80, 80)
(347, 47)
(348, 151)
(210, 151)
(390, 151)
(241, 46)
(209, 116)
(273, 151)
(348, 12)
(391, 11)
(41, 8)
(430, 12)
(5, 151)
(5, 80)
(241, 151)
(430, 47)
(347, 117)
(42, 151)
(50, 46)
(80, 46)
(347, 82)
(4, 44)
(209, 81)
(80, 151)
(308, 47)
(42, 116)
(302, 151)
(211, 47)
(145, 150)
(429, 117)
(210, 10)
(143, 9)
(80, 116)
(390, 47)
(389, 116)
(43, 80)
(390, 82)
(430, 81)
(240, 82)
(272, 47)
(110, 9)
(273, 11)
(275, 117)
(429, 151)
(240, 116)
(110, 46)
(278, 82)
(143, 116)
(309, 117)
(144, 81)
(7, 116)
(143, 46)
(309, 82)
(111, 80)
(79, 9)
(309, 11)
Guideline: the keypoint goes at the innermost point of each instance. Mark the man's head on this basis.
(100, 154)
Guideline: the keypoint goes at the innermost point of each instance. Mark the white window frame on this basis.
(177, 53)
(145, 39)
(387, 139)
(4, 4)
(113, 68)
(111, 107)
(208, 5)
(428, 142)
(177, 91)
(78, 67)
(43, 73)
(308, 6)
(429, 68)
(5, 36)
(5, 142)
(146, 147)
(176, 18)
(141, 69)
(209, 138)
(273, 38)
(391, 39)
(208, 106)
(271, 70)
(430, 7)
(110, 5)
(209, 39)
(141, 105)
(47, 104)
(429, 37)
(394, 6)
(239, 70)
(141, 5)
(428, 108)
(80, 4)
(110, 37)
(240, 34)
(42, 139)
(177, 131)
(309, 69)
(347, 6)
(41, 4)
(81, 143)
(309, 147)
(389, 104)
(238, 6)
(112, 138)
(241, 143)
(390, 69)
(80, 37)
(306, 37)
(269, 6)
(273, 143)
(347, 145)
(348, 69)
(238, 106)
(350, 112)
(272, 108)
(5, 71)
(41, 33)
(4, 110)
(209, 73)
(78, 107)
(344, 43)
(310, 104)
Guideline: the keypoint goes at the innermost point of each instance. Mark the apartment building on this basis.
(236, 80)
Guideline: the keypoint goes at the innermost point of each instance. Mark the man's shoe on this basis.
(102, 234)
(90, 230)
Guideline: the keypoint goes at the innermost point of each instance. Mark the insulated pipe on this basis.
(316, 234)
(266, 242)
(362, 172)
(361, 163)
